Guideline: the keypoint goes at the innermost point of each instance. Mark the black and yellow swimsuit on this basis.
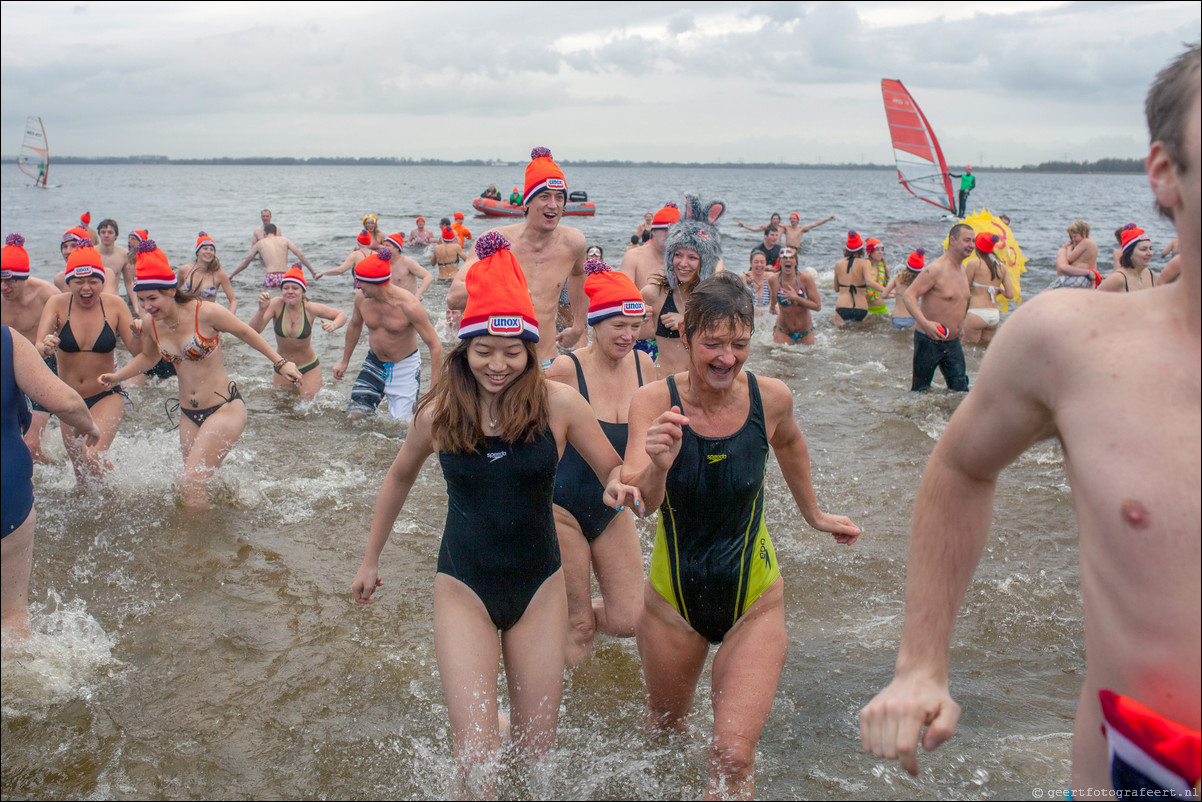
(712, 556)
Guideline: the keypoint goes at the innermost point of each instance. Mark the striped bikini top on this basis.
(199, 348)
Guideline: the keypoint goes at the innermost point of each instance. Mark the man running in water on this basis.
(550, 255)
(1074, 366)
(938, 302)
(273, 250)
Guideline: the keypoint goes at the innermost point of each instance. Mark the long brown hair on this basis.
(522, 408)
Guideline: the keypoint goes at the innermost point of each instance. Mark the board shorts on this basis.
(650, 347)
(272, 280)
(947, 355)
(399, 382)
(1073, 282)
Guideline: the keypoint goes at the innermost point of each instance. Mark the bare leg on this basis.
(618, 563)
(746, 672)
(33, 437)
(91, 462)
(574, 551)
(534, 668)
(310, 383)
(468, 652)
(973, 326)
(673, 655)
(206, 447)
(16, 563)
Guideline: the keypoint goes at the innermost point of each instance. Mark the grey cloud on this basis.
(681, 22)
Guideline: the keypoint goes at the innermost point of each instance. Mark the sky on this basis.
(1002, 84)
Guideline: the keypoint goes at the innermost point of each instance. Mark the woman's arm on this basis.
(793, 456)
(47, 337)
(38, 382)
(334, 318)
(773, 290)
(653, 443)
(812, 299)
(125, 326)
(586, 436)
(142, 361)
(390, 500)
(1007, 284)
(258, 321)
(223, 281)
(219, 318)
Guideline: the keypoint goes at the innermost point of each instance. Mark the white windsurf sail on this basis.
(34, 159)
(920, 164)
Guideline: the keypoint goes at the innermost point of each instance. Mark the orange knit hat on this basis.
(1131, 235)
(75, 233)
(140, 234)
(203, 239)
(397, 240)
(375, 269)
(84, 261)
(543, 173)
(916, 261)
(364, 238)
(14, 260)
(498, 300)
(854, 241)
(610, 293)
(448, 234)
(986, 242)
(665, 217)
(153, 271)
(295, 275)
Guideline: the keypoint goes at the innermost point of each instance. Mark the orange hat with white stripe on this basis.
(498, 298)
(375, 269)
(397, 240)
(916, 261)
(543, 174)
(295, 275)
(14, 260)
(84, 261)
(610, 293)
(665, 217)
(364, 237)
(153, 271)
(203, 239)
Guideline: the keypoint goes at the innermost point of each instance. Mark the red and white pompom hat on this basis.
(916, 261)
(498, 299)
(375, 269)
(610, 293)
(14, 259)
(543, 174)
(295, 275)
(153, 270)
(84, 261)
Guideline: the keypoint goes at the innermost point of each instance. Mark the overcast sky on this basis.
(1002, 83)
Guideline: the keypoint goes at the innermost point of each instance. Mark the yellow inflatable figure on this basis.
(1007, 250)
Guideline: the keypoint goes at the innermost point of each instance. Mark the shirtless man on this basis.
(22, 298)
(938, 302)
(114, 256)
(1073, 366)
(273, 251)
(261, 232)
(794, 230)
(646, 260)
(421, 236)
(394, 319)
(70, 241)
(406, 272)
(550, 255)
(447, 255)
(1077, 259)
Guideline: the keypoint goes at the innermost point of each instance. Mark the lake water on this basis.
(181, 655)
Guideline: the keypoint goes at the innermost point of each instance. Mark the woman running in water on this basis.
(592, 535)
(83, 325)
(698, 449)
(292, 317)
(190, 338)
(499, 427)
(987, 277)
(205, 276)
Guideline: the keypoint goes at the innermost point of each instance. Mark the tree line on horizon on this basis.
(1109, 165)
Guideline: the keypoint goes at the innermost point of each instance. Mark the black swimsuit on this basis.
(105, 343)
(660, 329)
(851, 313)
(499, 537)
(577, 488)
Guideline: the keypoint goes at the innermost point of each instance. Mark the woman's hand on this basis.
(618, 495)
(664, 436)
(288, 371)
(49, 345)
(365, 583)
(264, 300)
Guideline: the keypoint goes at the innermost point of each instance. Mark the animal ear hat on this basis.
(698, 231)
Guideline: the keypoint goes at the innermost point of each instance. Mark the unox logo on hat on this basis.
(505, 325)
(556, 183)
(82, 271)
(633, 308)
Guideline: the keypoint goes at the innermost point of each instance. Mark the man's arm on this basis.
(302, 258)
(254, 251)
(912, 297)
(424, 276)
(1005, 413)
(421, 322)
(814, 225)
(351, 340)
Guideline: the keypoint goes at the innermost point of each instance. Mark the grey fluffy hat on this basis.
(698, 231)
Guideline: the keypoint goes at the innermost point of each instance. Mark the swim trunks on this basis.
(499, 538)
(947, 355)
(399, 382)
(712, 556)
(577, 488)
(16, 491)
(273, 280)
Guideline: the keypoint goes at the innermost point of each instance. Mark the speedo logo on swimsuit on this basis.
(634, 308)
(507, 326)
(493, 456)
(556, 183)
(714, 459)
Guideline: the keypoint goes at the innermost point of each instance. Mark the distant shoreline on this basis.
(1119, 166)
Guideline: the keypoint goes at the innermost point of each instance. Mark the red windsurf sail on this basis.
(921, 167)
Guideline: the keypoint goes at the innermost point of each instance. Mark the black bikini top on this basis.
(105, 343)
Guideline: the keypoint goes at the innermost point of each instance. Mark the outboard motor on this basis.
(579, 196)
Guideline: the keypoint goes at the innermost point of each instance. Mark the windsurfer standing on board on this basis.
(968, 183)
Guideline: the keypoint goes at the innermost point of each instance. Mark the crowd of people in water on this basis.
(576, 397)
